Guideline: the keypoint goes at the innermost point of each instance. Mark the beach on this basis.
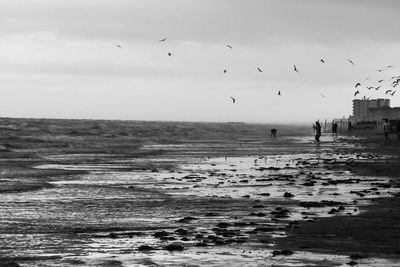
(132, 193)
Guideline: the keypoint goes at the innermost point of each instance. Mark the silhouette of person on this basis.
(317, 131)
(386, 130)
(273, 132)
(334, 129)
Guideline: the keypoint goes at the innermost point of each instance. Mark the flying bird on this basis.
(260, 70)
(377, 88)
(163, 40)
(225, 71)
(119, 46)
(393, 93)
(369, 87)
(323, 61)
(169, 54)
(233, 100)
(279, 92)
(388, 91)
(358, 84)
(385, 68)
(295, 69)
(356, 93)
(349, 60)
(229, 46)
(379, 81)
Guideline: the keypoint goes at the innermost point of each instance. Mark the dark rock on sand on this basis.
(160, 234)
(288, 195)
(222, 225)
(284, 252)
(174, 247)
(187, 219)
(145, 248)
(357, 256)
(182, 231)
(333, 211)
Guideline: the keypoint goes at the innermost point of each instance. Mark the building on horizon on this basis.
(361, 109)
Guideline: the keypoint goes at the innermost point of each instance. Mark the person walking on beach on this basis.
(317, 131)
(386, 130)
(273, 133)
(334, 129)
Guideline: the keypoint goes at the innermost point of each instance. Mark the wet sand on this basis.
(113, 193)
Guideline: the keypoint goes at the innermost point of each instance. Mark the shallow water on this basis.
(103, 216)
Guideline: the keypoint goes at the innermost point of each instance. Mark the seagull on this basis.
(377, 88)
(369, 87)
(163, 40)
(356, 93)
(393, 93)
(119, 46)
(349, 60)
(395, 84)
(385, 68)
(358, 84)
(279, 92)
(388, 91)
(379, 81)
(260, 70)
(169, 54)
(233, 100)
(323, 61)
(229, 46)
(295, 69)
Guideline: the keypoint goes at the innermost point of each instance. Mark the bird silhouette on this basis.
(279, 92)
(379, 81)
(233, 100)
(369, 87)
(225, 71)
(169, 54)
(260, 70)
(393, 93)
(358, 84)
(385, 68)
(349, 60)
(295, 69)
(323, 61)
(388, 91)
(229, 46)
(119, 46)
(377, 88)
(356, 93)
(163, 40)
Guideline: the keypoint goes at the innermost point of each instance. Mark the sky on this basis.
(60, 58)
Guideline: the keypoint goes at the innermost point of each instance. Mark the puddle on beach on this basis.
(229, 210)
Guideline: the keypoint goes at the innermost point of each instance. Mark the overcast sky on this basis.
(59, 58)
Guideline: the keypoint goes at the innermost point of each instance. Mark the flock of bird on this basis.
(395, 80)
